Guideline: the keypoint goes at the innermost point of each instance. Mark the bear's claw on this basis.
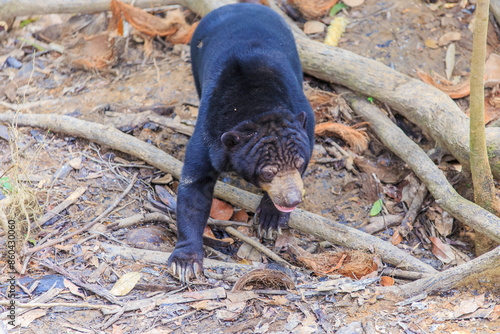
(270, 219)
(185, 265)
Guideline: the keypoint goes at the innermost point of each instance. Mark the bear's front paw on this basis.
(270, 218)
(185, 264)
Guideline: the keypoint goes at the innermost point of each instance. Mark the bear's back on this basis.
(240, 31)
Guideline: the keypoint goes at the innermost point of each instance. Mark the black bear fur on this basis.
(253, 118)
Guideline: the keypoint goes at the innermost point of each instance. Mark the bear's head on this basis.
(272, 151)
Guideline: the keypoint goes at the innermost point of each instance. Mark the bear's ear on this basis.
(230, 139)
(302, 119)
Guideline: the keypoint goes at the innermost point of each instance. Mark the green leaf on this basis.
(337, 8)
(376, 208)
(5, 184)
(370, 99)
(24, 23)
(33, 241)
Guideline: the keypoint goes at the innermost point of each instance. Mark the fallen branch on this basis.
(450, 278)
(61, 206)
(407, 223)
(159, 217)
(302, 220)
(47, 305)
(157, 257)
(394, 138)
(376, 224)
(13, 8)
(87, 226)
(97, 289)
(410, 275)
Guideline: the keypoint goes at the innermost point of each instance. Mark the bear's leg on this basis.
(270, 218)
(194, 200)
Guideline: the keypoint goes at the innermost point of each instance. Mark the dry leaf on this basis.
(73, 288)
(455, 92)
(313, 9)
(357, 139)
(278, 300)
(207, 305)
(386, 281)
(232, 312)
(93, 52)
(125, 284)
(314, 27)
(443, 223)
(441, 250)
(174, 26)
(449, 37)
(240, 216)
(431, 43)
(492, 70)
(221, 210)
(208, 232)
(396, 238)
(354, 264)
(27, 318)
(495, 314)
(117, 329)
(247, 252)
(470, 305)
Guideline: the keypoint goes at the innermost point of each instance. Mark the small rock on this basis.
(352, 328)
(353, 3)
(314, 27)
(76, 163)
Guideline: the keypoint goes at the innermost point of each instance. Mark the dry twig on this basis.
(87, 226)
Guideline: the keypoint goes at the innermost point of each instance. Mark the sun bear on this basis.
(253, 119)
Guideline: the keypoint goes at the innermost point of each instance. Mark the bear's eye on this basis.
(267, 174)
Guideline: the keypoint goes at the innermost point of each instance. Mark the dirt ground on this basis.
(393, 32)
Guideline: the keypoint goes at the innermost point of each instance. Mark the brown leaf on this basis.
(174, 26)
(492, 70)
(313, 9)
(441, 250)
(431, 43)
(386, 281)
(314, 27)
(469, 305)
(495, 314)
(125, 284)
(208, 232)
(449, 37)
(73, 288)
(28, 317)
(221, 210)
(391, 174)
(455, 92)
(396, 238)
(93, 52)
(444, 224)
(240, 216)
(357, 139)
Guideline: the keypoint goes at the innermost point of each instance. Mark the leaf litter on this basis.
(104, 173)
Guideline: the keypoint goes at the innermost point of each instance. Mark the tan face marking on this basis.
(286, 188)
